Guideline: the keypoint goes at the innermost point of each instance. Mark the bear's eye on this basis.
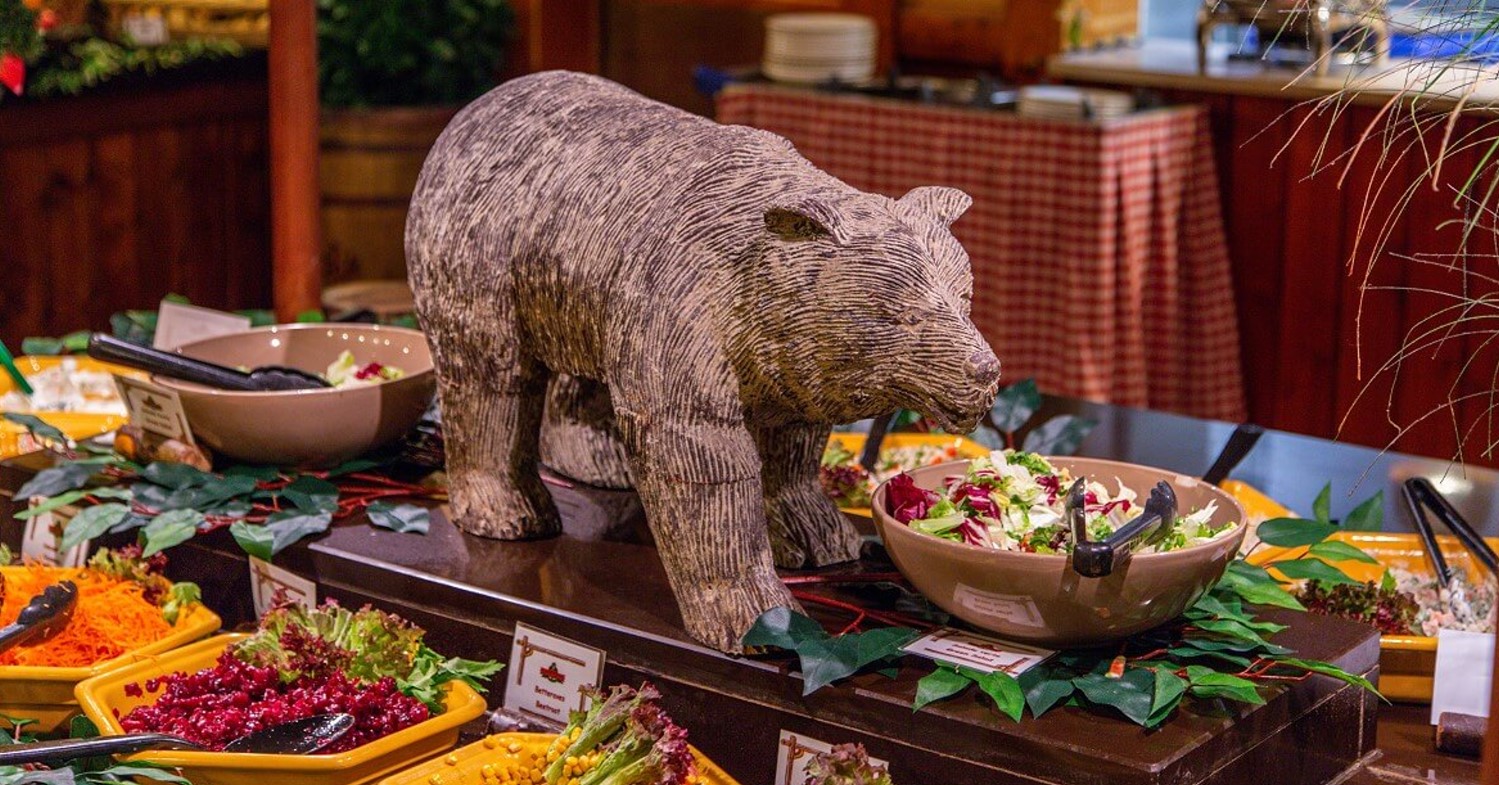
(910, 317)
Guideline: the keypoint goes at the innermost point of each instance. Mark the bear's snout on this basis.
(982, 367)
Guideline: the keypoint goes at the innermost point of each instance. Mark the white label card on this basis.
(267, 578)
(794, 751)
(43, 533)
(977, 652)
(178, 323)
(145, 30)
(1464, 673)
(547, 675)
(154, 408)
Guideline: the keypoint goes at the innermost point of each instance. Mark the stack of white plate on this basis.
(1059, 102)
(815, 48)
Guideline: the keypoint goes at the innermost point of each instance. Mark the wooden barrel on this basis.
(370, 159)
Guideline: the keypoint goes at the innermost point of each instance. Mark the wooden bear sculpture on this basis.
(734, 301)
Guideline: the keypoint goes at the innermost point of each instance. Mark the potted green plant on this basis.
(391, 76)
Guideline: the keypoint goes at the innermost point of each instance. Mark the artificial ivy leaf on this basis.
(1002, 688)
(1015, 405)
(1368, 516)
(1218, 608)
(1131, 694)
(1328, 669)
(1046, 693)
(988, 437)
(1294, 532)
(354, 465)
(937, 685)
(260, 473)
(211, 492)
(124, 772)
(784, 629)
(49, 504)
(174, 475)
(826, 661)
(170, 528)
(131, 521)
(1223, 685)
(288, 527)
(38, 427)
(64, 776)
(1235, 646)
(253, 539)
(1231, 628)
(1256, 586)
(1322, 505)
(1058, 436)
(1311, 570)
(311, 494)
(1336, 550)
(1167, 694)
(399, 517)
(90, 522)
(881, 643)
(56, 479)
(1191, 653)
(81, 727)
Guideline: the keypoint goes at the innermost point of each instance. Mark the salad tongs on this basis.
(1420, 496)
(1096, 559)
(44, 616)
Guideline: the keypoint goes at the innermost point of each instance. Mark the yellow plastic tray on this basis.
(46, 694)
(103, 696)
(13, 438)
(854, 443)
(1406, 662)
(462, 767)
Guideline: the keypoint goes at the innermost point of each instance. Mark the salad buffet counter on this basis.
(602, 585)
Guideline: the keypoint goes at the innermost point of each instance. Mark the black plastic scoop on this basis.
(177, 366)
(43, 617)
(298, 737)
(1100, 558)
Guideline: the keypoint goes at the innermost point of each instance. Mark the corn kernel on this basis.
(451, 760)
(514, 746)
(435, 780)
(491, 742)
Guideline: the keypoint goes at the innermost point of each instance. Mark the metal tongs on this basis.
(44, 616)
(1098, 559)
(1421, 495)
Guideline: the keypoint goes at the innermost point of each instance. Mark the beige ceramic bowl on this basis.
(1039, 598)
(308, 427)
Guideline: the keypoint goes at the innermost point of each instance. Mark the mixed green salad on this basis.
(1014, 501)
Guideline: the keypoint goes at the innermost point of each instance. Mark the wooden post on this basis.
(295, 231)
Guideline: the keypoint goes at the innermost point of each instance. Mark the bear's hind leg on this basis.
(806, 527)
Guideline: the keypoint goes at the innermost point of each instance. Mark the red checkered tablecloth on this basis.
(1099, 261)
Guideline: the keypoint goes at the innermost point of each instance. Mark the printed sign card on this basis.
(794, 751)
(179, 323)
(156, 409)
(547, 674)
(43, 533)
(266, 579)
(977, 651)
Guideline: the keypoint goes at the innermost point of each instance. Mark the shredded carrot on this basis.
(111, 618)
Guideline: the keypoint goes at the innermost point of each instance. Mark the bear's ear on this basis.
(805, 220)
(944, 204)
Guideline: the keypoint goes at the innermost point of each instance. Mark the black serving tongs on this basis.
(178, 366)
(43, 617)
(1098, 559)
(297, 737)
(1420, 496)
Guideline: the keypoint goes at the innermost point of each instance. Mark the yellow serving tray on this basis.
(104, 696)
(463, 766)
(46, 694)
(14, 439)
(1406, 662)
(854, 443)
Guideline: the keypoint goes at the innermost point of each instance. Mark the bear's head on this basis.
(862, 304)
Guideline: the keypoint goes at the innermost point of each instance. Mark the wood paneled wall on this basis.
(113, 199)
(1317, 321)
